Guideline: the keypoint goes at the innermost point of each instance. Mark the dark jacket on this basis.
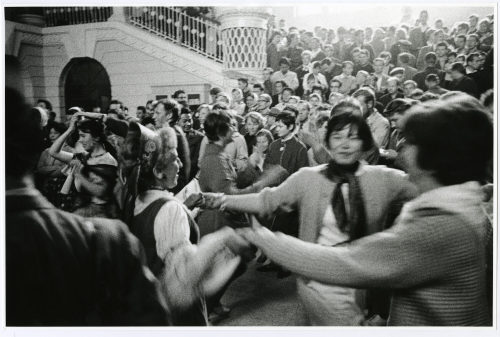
(290, 154)
(421, 75)
(367, 67)
(465, 84)
(65, 270)
(194, 139)
(483, 79)
(387, 98)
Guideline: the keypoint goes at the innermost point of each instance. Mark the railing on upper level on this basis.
(62, 16)
(197, 34)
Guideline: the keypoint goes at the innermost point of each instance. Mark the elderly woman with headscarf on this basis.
(188, 269)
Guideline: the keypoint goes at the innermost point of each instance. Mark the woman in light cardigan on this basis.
(337, 203)
(435, 258)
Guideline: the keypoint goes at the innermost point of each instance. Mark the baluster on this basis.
(67, 15)
(177, 26)
(184, 22)
(157, 13)
(217, 46)
(198, 37)
(170, 25)
(170, 21)
(165, 17)
(188, 31)
(162, 22)
(46, 13)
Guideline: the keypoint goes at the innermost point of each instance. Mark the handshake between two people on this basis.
(272, 176)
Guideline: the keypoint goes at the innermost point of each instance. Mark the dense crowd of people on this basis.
(362, 163)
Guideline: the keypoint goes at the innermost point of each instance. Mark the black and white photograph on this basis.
(249, 165)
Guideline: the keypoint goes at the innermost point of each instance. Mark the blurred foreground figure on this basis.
(435, 259)
(62, 269)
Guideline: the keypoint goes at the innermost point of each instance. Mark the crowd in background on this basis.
(337, 101)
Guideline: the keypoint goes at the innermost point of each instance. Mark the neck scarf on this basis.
(355, 223)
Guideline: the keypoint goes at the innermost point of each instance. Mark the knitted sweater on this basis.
(309, 191)
(433, 259)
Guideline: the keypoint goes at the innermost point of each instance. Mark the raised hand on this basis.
(308, 138)
(73, 121)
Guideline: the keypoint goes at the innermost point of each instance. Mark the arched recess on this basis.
(85, 83)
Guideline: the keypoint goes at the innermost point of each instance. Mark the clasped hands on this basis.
(241, 241)
(204, 200)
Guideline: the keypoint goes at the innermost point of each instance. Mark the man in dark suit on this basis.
(62, 269)
(461, 82)
(430, 61)
(482, 75)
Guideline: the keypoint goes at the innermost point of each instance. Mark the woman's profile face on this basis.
(172, 172)
(345, 145)
(88, 142)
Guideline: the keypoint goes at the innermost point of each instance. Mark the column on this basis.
(244, 39)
